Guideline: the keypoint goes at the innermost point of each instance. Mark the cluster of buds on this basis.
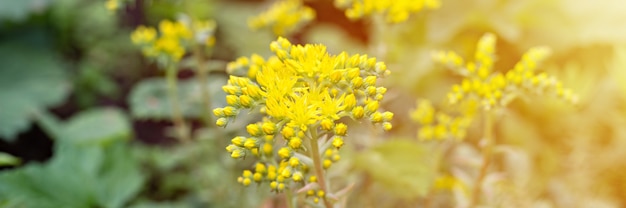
(395, 11)
(493, 89)
(303, 93)
(439, 125)
(284, 17)
(173, 38)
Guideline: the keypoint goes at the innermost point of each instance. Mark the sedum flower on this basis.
(283, 17)
(302, 92)
(439, 125)
(395, 11)
(493, 89)
(170, 43)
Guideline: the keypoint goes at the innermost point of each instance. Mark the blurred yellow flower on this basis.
(283, 17)
(395, 11)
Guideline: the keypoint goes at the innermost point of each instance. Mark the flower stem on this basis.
(486, 151)
(203, 74)
(289, 198)
(317, 162)
(177, 118)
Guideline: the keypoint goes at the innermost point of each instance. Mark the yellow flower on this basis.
(491, 88)
(112, 5)
(284, 17)
(301, 91)
(395, 11)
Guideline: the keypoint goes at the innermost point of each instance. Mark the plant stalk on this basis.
(289, 198)
(203, 74)
(177, 117)
(317, 162)
(486, 152)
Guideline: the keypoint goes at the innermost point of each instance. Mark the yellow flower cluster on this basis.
(302, 92)
(170, 44)
(284, 17)
(395, 11)
(497, 89)
(438, 125)
(112, 5)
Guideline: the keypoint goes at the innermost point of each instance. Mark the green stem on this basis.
(203, 74)
(289, 198)
(317, 162)
(486, 152)
(177, 118)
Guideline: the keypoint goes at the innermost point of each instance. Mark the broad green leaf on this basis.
(77, 176)
(402, 167)
(31, 79)
(8, 160)
(99, 126)
(149, 99)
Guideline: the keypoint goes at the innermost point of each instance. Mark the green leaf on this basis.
(402, 167)
(97, 126)
(31, 79)
(18, 11)
(8, 160)
(149, 99)
(77, 176)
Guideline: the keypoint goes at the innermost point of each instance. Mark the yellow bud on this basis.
(287, 132)
(370, 80)
(260, 168)
(245, 101)
(327, 124)
(294, 161)
(221, 122)
(284, 153)
(328, 153)
(253, 129)
(387, 126)
(231, 90)
(269, 128)
(286, 173)
(341, 129)
(349, 102)
(237, 153)
(267, 149)
(327, 163)
(310, 192)
(376, 117)
(232, 100)
(250, 143)
(281, 186)
(336, 76)
(313, 179)
(295, 142)
(387, 116)
(246, 181)
(336, 158)
(219, 112)
(371, 106)
(239, 140)
(357, 82)
(337, 142)
(257, 177)
(353, 72)
(371, 90)
(358, 112)
(231, 148)
(297, 176)
(230, 111)
(273, 185)
(321, 194)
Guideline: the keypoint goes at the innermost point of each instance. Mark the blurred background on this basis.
(84, 117)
